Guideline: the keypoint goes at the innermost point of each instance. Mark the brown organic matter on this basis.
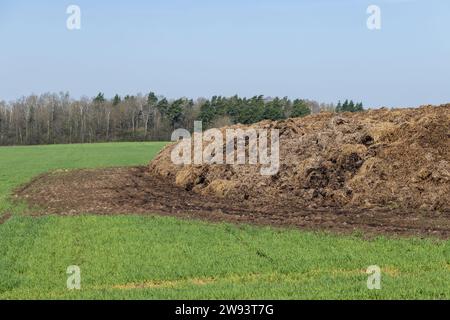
(397, 159)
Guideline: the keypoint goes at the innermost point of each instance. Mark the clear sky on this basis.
(316, 49)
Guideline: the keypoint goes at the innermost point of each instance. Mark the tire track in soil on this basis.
(260, 253)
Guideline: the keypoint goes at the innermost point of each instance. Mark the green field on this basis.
(149, 257)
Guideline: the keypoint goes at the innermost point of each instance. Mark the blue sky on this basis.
(316, 49)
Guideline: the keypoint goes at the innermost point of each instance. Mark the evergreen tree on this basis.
(359, 107)
(300, 109)
(152, 99)
(175, 111)
(116, 100)
(345, 106)
(207, 113)
(339, 107)
(100, 98)
(273, 110)
(349, 106)
(163, 106)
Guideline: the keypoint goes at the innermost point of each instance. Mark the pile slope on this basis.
(395, 159)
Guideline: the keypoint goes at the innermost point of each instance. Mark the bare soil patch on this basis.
(5, 217)
(136, 191)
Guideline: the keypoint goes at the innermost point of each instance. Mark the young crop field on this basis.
(146, 256)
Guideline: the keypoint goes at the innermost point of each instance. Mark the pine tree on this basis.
(273, 110)
(99, 98)
(300, 109)
(359, 107)
(116, 100)
(163, 106)
(345, 106)
(351, 106)
(339, 107)
(207, 114)
(152, 99)
(175, 111)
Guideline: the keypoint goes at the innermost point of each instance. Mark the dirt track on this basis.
(134, 190)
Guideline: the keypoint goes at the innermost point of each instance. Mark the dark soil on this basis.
(136, 191)
(5, 217)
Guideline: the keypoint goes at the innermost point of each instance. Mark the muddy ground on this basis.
(135, 190)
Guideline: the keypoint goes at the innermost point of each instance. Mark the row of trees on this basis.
(57, 118)
(246, 111)
(349, 106)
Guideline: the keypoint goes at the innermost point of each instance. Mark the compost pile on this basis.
(395, 159)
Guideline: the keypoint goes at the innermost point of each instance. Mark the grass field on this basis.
(148, 257)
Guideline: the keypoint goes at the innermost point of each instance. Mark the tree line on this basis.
(57, 118)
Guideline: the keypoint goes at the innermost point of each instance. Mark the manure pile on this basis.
(391, 159)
